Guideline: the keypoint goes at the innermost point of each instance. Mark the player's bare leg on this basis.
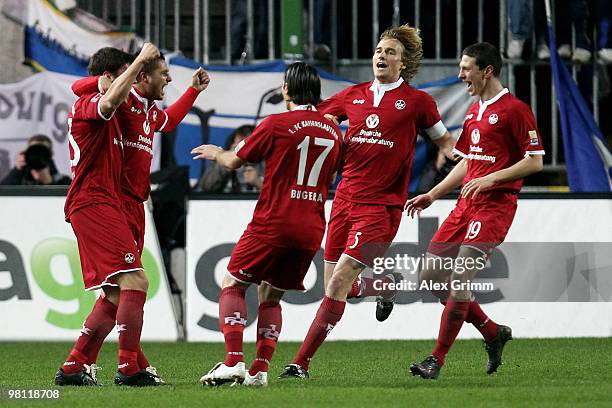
(232, 321)
(130, 312)
(269, 325)
(329, 313)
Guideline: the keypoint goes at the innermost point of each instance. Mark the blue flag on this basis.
(587, 154)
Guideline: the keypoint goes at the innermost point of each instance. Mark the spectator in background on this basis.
(574, 12)
(35, 166)
(239, 52)
(522, 20)
(603, 11)
(218, 179)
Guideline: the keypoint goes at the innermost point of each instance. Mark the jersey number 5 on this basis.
(313, 177)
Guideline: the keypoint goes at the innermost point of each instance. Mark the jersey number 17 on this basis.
(313, 177)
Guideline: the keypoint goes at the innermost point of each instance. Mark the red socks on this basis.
(329, 314)
(232, 321)
(356, 289)
(129, 324)
(269, 325)
(453, 317)
(486, 326)
(363, 287)
(99, 323)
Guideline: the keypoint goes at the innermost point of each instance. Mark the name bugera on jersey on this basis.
(298, 194)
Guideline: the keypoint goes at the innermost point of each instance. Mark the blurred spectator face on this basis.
(38, 162)
(42, 176)
(237, 139)
(387, 60)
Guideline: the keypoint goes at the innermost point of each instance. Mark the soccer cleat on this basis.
(258, 380)
(293, 371)
(221, 374)
(142, 378)
(153, 371)
(428, 368)
(386, 301)
(495, 348)
(85, 377)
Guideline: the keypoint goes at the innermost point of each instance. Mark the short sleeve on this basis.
(162, 120)
(89, 108)
(462, 146)
(258, 146)
(334, 105)
(430, 120)
(525, 131)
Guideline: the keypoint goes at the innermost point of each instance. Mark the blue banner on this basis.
(587, 154)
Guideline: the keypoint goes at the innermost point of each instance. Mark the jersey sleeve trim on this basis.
(436, 131)
(460, 153)
(165, 122)
(535, 152)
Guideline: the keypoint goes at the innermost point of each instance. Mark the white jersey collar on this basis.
(379, 89)
(305, 107)
(483, 105)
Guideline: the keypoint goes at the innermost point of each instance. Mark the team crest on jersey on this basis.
(136, 110)
(475, 136)
(146, 126)
(358, 101)
(130, 258)
(400, 104)
(372, 121)
(493, 119)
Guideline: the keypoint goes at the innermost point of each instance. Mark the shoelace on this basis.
(153, 371)
(92, 370)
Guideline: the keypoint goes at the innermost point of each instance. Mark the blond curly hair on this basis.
(413, 48)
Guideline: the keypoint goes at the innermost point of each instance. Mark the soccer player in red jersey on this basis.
(139, 118)
(109, 257)
(499, 145)
(384, 118)
(301, 150)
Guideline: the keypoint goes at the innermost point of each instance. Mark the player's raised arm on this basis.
(179, 109)
(119, 90)
(225, 158)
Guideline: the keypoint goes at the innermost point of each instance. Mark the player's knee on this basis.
(267, 293)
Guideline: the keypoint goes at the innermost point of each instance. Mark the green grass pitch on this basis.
(536, 372)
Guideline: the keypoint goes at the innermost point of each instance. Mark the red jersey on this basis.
(301, 150)
(139, 119)
(384, 120)
(497, 134)
(96, 151)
